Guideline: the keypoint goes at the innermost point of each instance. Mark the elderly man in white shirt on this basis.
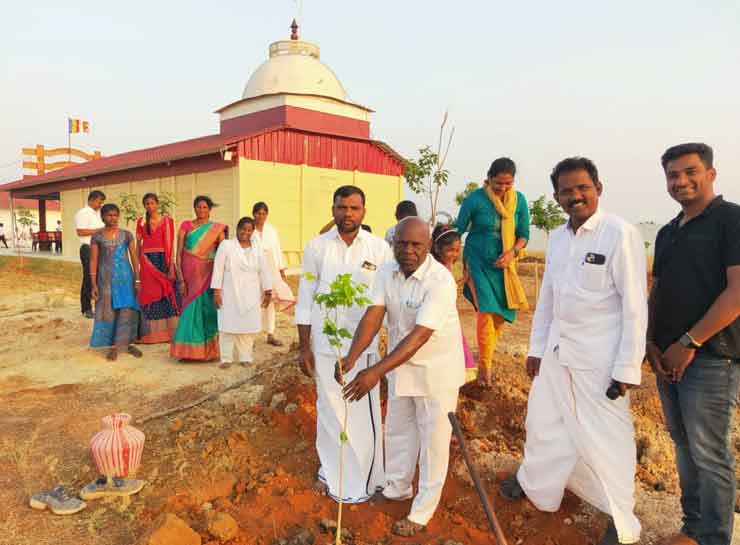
(425, 367)
(348, 249)
(87, 223)
(586, 349)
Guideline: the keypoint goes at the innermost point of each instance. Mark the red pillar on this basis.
(42, 215)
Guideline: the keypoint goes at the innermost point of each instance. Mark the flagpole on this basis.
(69, 142)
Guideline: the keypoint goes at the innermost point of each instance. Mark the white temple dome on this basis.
(294, 67)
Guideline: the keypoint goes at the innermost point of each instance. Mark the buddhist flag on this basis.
(77, 125)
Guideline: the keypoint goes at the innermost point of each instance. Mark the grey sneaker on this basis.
(58, 501)
(100, 488)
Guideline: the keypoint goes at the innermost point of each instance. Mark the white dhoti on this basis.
(418, 428)
(363, 451)
(268, 318)
(580, 439)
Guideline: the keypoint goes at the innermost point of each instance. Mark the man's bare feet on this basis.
(111, 354)
(135, 352)
(406, 528)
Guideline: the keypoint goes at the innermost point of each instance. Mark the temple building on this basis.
(290, 140)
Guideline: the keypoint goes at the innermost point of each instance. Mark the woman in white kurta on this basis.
(242, 286)
(267, 237)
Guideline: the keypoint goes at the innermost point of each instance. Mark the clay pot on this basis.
(117, 448)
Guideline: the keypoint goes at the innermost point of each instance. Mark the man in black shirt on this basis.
(693, 339)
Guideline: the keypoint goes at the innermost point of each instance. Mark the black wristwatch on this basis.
(687, 342)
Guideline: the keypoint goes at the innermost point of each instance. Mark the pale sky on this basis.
(617, 82)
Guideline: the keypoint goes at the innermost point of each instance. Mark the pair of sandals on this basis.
(112, 353)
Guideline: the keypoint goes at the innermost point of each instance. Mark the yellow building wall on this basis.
(300, 198)
(221, 185)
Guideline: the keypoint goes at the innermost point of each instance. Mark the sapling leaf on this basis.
(342, 437)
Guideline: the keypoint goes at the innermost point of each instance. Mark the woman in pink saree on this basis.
(196, 336)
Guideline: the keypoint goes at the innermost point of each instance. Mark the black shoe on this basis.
(88, 314)
(610, 537)
(511, 489)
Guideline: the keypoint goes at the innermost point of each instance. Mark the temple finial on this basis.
(294, 30)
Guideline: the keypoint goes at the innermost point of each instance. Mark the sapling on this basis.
(343, 293)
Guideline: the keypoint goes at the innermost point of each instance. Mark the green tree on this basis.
(460, 197)
(343, 293)
(25, 217)
(132, 207)
(426, 175)
(546, 215)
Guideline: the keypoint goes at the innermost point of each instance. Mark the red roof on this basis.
(31, 204)
(131, 159)
(195, 147)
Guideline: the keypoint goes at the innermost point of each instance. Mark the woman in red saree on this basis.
(155, 237)
(196, 336)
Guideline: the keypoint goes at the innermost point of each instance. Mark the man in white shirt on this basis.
(585, 351)
(87, 223)
(348, 249)
(58, 244)
(425, 368)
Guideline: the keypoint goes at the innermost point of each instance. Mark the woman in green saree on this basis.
(196, 336)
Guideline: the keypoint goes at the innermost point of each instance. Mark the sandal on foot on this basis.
(224, 365)
(274, 342)
(135, 352)
(58, 501)
(111, 354)
(406, 528)
(511, 490)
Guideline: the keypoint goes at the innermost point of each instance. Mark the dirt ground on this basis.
(250, 452)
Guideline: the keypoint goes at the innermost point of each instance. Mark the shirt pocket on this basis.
(592, 277)
(409, 310)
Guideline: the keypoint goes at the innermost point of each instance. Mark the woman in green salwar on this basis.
(496, 218)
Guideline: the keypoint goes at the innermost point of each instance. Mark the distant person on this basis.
(404, 209)
(585, 352)
(114, 274)
(348, 249)
(424, 365)
(2, 235)
(58, 243)
(196, 335)
(266, 236)
(446, 246)
(87, 223)
(160, 309)
(242, 286)
(496, 218)
(693, 341)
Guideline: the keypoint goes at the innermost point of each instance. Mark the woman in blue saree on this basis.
(114, 269)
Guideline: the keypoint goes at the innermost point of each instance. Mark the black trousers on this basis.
(86, 288)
